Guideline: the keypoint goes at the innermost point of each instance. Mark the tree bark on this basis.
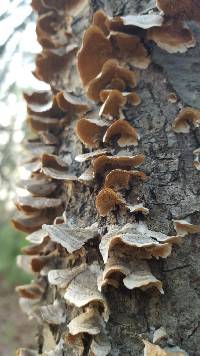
(171, 192)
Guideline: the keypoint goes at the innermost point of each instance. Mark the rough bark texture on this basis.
(172, 192)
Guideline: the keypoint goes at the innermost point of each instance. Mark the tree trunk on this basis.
(170, 193)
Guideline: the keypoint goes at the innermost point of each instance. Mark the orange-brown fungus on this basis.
(113, 101)
(126, 134)
(112, 76)
(187, 9)
(119, 178)
(89, 133)
(128, 48)
(105, 164)
(69, 103)
(100, 20)
(172, 38)
(181, 124)
(95, 51)
(106, 200)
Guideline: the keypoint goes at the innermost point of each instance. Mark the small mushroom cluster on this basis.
(73, 266)
(59, 42)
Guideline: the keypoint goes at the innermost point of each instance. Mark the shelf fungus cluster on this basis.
(73, 266)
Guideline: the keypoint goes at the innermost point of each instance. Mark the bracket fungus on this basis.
(172, 37)
(113, 100)
(112, 76)
(119, 178)
(88, 322)
(96, 50)
(89, 133)
(125, 133)
(70, 238)
(55, 167)
(181, 125)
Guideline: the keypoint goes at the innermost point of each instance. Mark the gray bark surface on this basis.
(172, 192)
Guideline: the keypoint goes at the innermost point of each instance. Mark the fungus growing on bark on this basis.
(42, 123)
(30, 204)
(70, 238)
(62, 277)
(172, 37)
(128, 48)
(50, 64)
(55, 167)
(186, 9)
(30, 291)
(107, 199)
(83, 290)
(104, 164)
(100, 345)
(139, 237)
(172, 98)
(37, 237)
(113, 101)
(88, 322)
(181, 125)
(39, 186)
(53, 313)
(72, 7)
(37, 148)
(119, 178)
(196, 161)
(88, 156)
(125, 133)
(95, 51)
(155, 350)
(89, 133)
(71, 104)
(112, 76)
(184, 228)
(137, 272)
(31, 222)
(143, 21)
(101, 20)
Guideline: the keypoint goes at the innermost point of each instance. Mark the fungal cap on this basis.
(122, 129)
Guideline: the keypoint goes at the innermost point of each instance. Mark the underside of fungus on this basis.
(73, 264)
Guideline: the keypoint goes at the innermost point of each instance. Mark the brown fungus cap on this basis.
(119, 178)
(89, 133)
(70, 238)
(181, 125)
(104, 164)
(126, 134)
(71, 104)
(101, 20)
(30, 204)
(31, 222)
(88, 322)
(138, 236)
(38, 187)
(83, 290)
(95, 51)
(184, 228)
(43, 123)
(62, 277)
(106, 200)
(71, 7)
(172, 38)
(88, 156)
(30, 291)
(187, 9)
(128, 48)
(112, 76)
(113, 101)
(55, 167)
(155, 350)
